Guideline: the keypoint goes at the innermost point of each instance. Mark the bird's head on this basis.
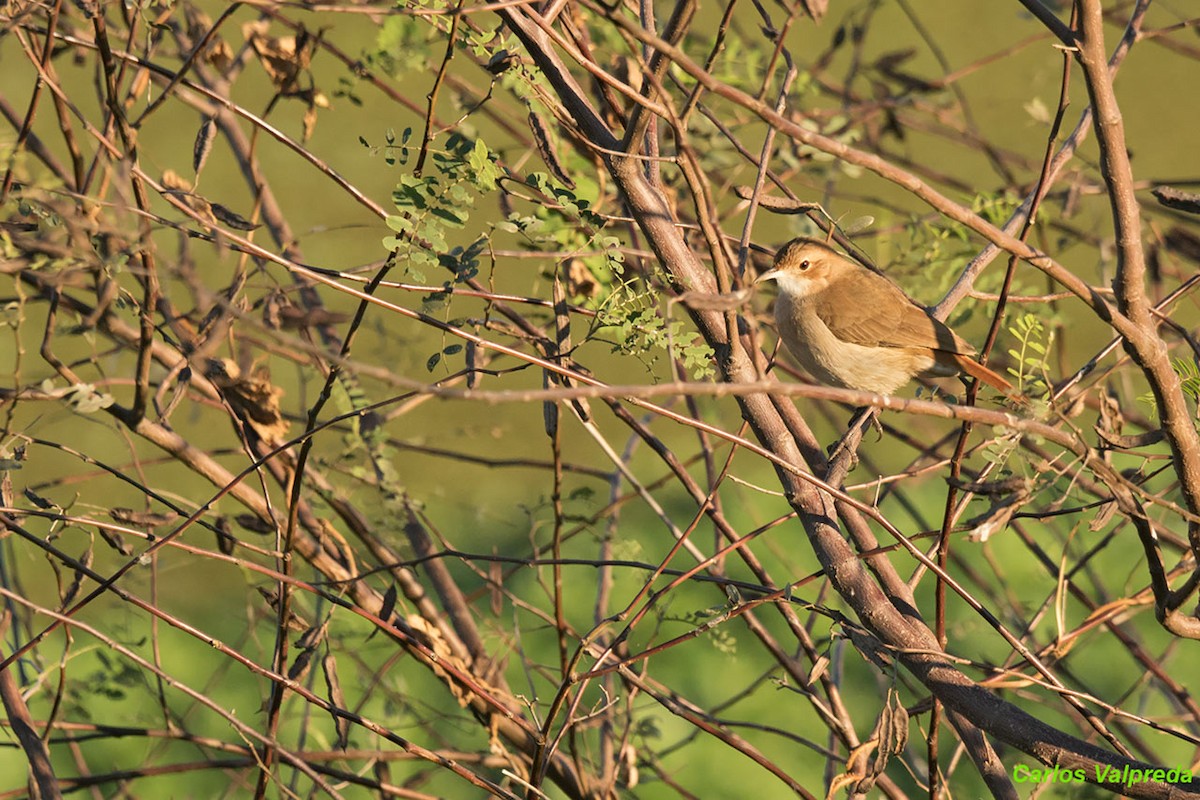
(804, 267)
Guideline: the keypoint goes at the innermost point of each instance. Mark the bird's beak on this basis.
(769, 275)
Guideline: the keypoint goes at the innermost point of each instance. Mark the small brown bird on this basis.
(851, 327)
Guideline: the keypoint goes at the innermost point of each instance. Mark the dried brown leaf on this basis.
(254, 523)
(282, 57)
(203, 144)
(116, 541)
(141, 519)
(301, 665)
(174, 182)
(226, 541)
(310, 122)
(254, 400)
(219, 54)
(545, 148)
(336, 699)
(233, 220)
(501, 62)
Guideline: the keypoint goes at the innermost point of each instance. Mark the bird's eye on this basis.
(804, 264)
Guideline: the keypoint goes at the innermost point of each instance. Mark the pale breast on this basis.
(882, 370)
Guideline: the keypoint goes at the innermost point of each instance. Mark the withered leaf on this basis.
(283, 57)
(580, 280)
(116, 541)
(37, 499)
(1177, 199)
(254, 524)
(232, 219)
(219, 54)
(300, 666)
(141, 519)
(294, 621)
(545, 148)
(1103, 516)
(72, 590)
(313, 636)
(337, 700)
(389, 604)
(500, 62)
(203, 144)
(226, 541)
(172, 181)
(253, 400)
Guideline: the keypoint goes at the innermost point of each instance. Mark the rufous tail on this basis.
(980, 372)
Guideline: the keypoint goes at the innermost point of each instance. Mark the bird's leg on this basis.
(872, 419)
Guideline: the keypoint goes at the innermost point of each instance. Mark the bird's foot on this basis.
(845, 449)
(843, 455)
(874, 422)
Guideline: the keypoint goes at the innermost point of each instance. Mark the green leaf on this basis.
(481, 162)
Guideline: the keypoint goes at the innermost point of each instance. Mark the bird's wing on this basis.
(883, 317)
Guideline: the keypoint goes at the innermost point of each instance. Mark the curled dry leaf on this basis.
(313, 636)
(337, 700)
(1001, 512)
(389, 604)
(1104, 515)
(219, 54)
(254, 524)
(545, 148)
(868, 761)
(37, 499)
(226, 541)
(501, 62)
(301, 665)
(72, 591)
(580, 280)
(294, 622)
(310, 122)
(819, 667)
(172, 181)
(283, 57)
(116, 541)
(181, 189)
(231, 219)
(471, 357)
(1111, 421)
(203, 144)
(141, 519)
(253, 400)
(780, 205)
(436, 642)
(1177, 199)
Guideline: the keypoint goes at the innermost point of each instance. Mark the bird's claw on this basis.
(839, 447)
